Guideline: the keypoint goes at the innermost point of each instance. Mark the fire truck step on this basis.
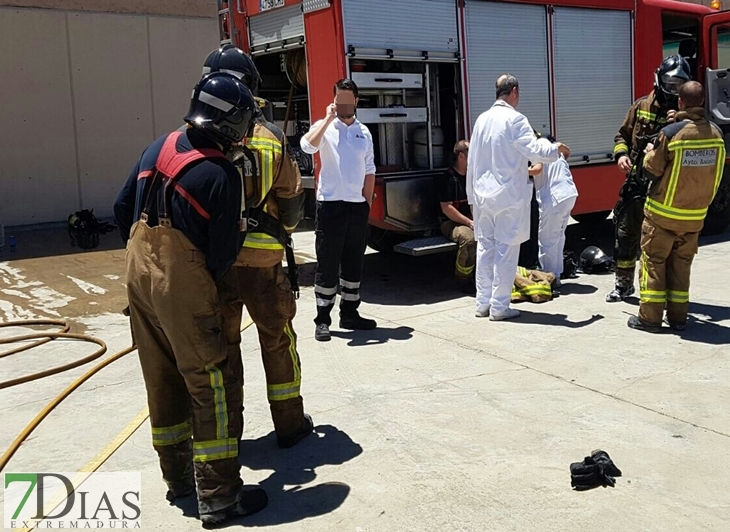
(426, 246)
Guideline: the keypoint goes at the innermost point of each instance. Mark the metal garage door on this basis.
(402, 25)
(277, 29)
(593, 79)
(508, 38)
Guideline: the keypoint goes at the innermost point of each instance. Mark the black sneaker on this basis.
(249, 502)
(357, 323)
(322, 333)
(635, 323)
(285, 442)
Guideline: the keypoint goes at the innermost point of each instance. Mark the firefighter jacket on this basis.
(273, 178)
(532, 285)
(685, 168)
(644, 118)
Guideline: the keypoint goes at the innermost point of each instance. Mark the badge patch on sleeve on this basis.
(699, 157)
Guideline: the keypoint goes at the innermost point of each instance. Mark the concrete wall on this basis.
(83, 94)
(183, 8)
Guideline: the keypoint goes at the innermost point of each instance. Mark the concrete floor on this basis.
(437, 421)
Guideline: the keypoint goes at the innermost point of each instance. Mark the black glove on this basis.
(595, 470)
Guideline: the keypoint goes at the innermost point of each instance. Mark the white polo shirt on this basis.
(347, 157)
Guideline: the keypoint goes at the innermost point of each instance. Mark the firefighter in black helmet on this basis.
(179, 213)
(234, 61)
(273, 189)
(646, 117)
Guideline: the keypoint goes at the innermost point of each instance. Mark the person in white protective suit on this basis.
(499, 192)
(556, 196)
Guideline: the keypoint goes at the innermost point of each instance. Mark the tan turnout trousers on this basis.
(267, 295)
(193, 391)
(666, 262)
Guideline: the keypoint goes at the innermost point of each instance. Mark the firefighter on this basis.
(179, 213)
(274, 201)
(685, 168)
(457, 224)
(645, 118)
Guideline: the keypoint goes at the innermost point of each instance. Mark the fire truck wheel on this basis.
(592, 218)
(718, 215)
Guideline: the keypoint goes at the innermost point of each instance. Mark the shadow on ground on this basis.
(289, 502)
(381, 335)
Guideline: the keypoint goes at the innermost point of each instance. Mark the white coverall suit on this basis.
(556, 195)
(499, 190)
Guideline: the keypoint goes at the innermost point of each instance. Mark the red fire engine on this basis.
(426, 70)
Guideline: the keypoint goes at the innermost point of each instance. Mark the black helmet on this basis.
(670, 76)
(223, 107)
(235, 62)
(594, 260)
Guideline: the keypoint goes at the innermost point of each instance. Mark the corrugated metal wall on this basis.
(83, 93)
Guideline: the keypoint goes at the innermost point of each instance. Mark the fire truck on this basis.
(426, 70)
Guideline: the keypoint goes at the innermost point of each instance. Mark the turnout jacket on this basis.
(645, 117)
(685, 168)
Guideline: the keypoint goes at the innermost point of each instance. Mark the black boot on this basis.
(249, 502)
(291, 440)
(354, 322)
(635, 323)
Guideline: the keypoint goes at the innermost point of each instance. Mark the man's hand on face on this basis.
(331, 112)
(624, 164)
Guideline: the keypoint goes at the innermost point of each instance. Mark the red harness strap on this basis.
(170, 163)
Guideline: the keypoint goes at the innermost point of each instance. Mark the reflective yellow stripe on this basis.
(650, 116)
(293, 352)
(620, 147)
(172, 435)
(262, 241)
(466, 270)
(673, 178)
(644, 276)
(207, 451)
(282, 392)
(536, 289)
(696, 144)
(522, 272)
(219, 400)
(675, 213)
(264, 143)
(626, 264)
(653, 296)
(677, 296)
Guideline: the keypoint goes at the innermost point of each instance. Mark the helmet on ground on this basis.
(235, 62)
(670, 76)
(222, 107)
(594, 260)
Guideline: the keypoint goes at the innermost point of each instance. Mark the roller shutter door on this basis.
(508, 38)
(402, 26)
(593, 79)
(281, 28)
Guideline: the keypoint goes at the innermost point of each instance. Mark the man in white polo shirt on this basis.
(344, 195)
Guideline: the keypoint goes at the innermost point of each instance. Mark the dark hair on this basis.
(692, 94)
(506, 84)
(346, 85)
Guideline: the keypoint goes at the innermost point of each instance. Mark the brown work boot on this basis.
(249, 502)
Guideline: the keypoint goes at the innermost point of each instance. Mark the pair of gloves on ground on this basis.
(595, 470)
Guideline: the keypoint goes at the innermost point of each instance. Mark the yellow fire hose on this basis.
(43, 338)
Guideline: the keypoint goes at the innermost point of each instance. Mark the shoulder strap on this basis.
(170, 162)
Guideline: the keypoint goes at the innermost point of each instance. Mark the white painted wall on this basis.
(81, 95)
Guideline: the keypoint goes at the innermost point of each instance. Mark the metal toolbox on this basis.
(377, 80)
(392, 115)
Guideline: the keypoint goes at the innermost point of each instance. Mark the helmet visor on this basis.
(673, 79)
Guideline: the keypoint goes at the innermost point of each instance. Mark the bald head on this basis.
(505, 85)
(691, 94)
